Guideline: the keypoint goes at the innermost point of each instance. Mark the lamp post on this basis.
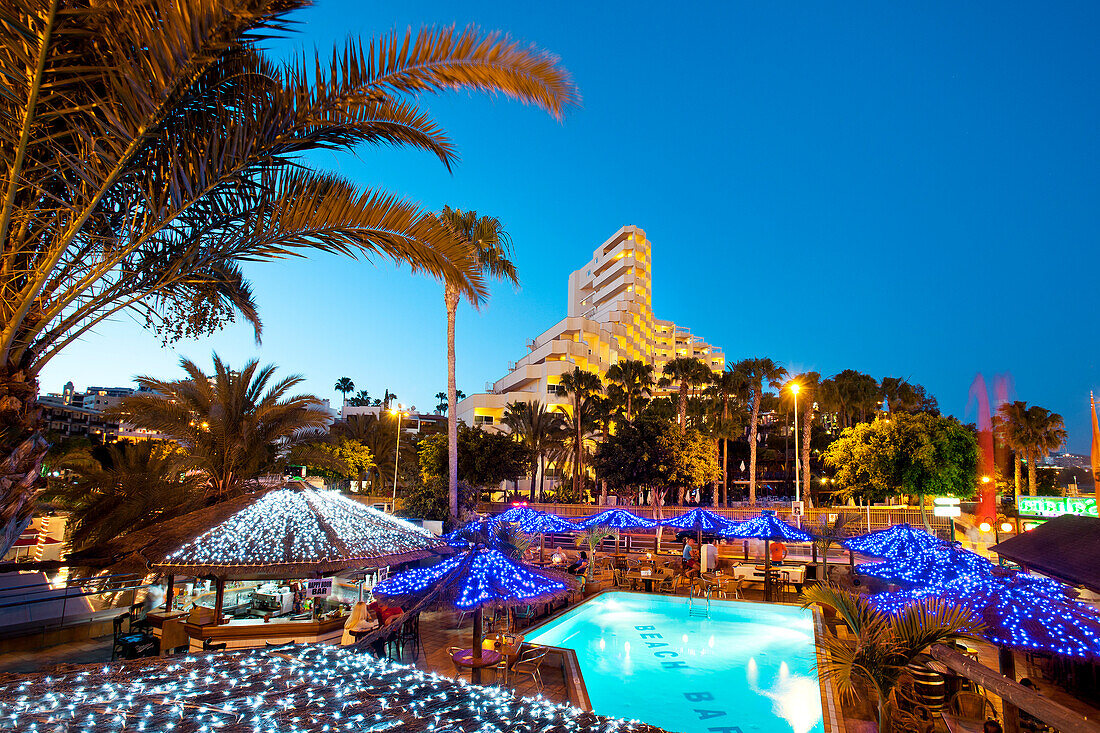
(397, 452)
(794, 390)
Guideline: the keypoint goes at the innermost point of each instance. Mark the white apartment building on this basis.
(610, 318)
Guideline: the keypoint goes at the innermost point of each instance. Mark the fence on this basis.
(863, 519)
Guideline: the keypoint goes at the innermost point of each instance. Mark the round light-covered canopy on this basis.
(935, 567)
(537, 522)
(296, 531)
(700, 520)
(900, 540)
(616, 519)
(767, 527)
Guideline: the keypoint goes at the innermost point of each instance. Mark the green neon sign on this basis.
(1056, 506)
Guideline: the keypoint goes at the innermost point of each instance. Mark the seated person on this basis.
(558, 557)
(580, 567)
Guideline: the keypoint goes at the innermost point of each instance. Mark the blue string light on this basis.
(767, 527)
(303, 689)
(517, 514)
(546, 523)
(700, 520)
(1019, 611)
(616, 519)
(900, 540)
(485, 576)
(936, 567)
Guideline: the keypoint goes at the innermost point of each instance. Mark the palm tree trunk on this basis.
(753, 420)
(1032, 478)
(578, 464)
(725, 473)
(807, 483)
(450, 297)
(542, 478)
(1019, 473)
(682, 411)
(883, 714)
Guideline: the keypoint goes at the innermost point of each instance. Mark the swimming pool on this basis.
(746, 667)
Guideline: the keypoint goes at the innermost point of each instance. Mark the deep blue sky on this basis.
(902, 191)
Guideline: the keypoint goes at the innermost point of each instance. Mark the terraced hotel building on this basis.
(610, 318)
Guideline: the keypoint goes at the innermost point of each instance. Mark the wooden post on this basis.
(767, 570)
(475, 672)
(746, 550)
(1008, 669)
(219, 598)
(1050, 712)
(168, 593)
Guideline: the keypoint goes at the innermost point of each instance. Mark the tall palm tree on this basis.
(728, 385)
(884, 645)
(492, 248)
(345, 385)
(150, 148)
(635, 377)
(232, 426)
(579, 387)
(1010, 420)
(808, 383)
(688, 372)
(760, 373)
(1040, 431)
(539, 430)
(387, 398)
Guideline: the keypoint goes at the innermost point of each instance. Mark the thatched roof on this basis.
(297, 690)
(292, 530)
(1066, 548)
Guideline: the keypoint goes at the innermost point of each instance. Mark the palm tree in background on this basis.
(492, 248)
(635, 379)
(688, 372)
(344, 385)
(1040, 431)
(150, 148)
(1009, 422)
(808, 383)
(539, 430)
(129, 487)
(579, 387)
(379, 433)
(387, 398)
(233, 426)
(728, 385)
(759, 373)
(444, 404)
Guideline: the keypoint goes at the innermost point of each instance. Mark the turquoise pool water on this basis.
(746, 667)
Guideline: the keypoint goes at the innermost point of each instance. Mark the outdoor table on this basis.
(465, 658)
(635, 575)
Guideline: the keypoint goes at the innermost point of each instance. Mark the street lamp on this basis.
(397, 452)
(794, 391)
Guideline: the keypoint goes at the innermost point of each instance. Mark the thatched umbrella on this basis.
(482, 576)
(616, 519)
(900, 540)
(935, 567)
(541, 523)
(769, 528)
(701, 521)
(291, 531)
(301, 689)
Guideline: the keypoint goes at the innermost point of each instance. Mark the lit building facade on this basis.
(609, 319)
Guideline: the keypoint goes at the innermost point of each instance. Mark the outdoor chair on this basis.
(907, 713)
(621, 581)
(451, 652)
(209, 646)
(971, 707)
(529, 663)
(139, 618)
(130, 644)
(410, 635)
(730, 588)
(525, 614)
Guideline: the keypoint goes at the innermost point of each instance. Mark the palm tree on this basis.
(361, 399)
(635, 378)
(807, 385)
(345, 385)
(387, 398)
(592, 538)
(728, 384)
(579, 386)
(492, 248)
(1040, 431)
(122, 488)
(759, 373)
(444, 404)
(150, 148)
(379, 433)
(687, 372)
(1009, 421)
(233, 426)
(538, 429)
(884, 645)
